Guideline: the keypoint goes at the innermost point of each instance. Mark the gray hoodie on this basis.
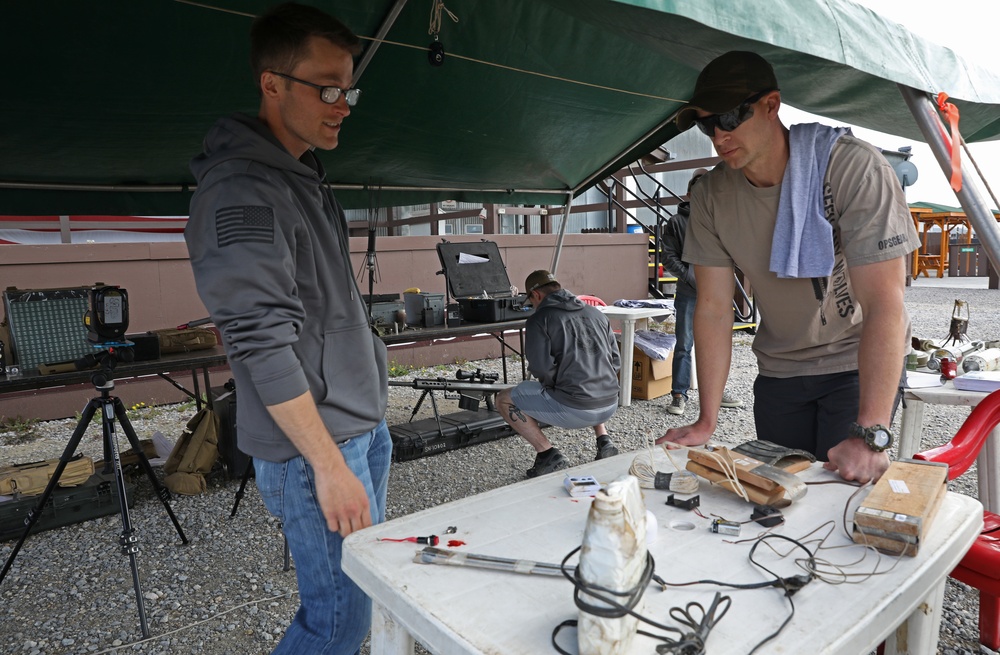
(269, 248)
(571, 350)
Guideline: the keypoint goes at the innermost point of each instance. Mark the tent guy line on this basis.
(452, 55)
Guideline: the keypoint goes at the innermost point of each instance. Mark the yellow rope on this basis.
(435, 26)
(728, 467)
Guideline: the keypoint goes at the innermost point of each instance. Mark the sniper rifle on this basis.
(471, 389)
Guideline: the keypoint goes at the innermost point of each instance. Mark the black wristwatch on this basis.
(876, 437)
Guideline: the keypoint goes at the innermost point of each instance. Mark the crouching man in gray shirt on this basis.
(574, 356)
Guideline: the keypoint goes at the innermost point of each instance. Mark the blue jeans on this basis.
(684, 331)
(334, 615)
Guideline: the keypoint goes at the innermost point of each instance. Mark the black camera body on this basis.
(107, 314)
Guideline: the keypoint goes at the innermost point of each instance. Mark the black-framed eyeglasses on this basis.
(328, 94)
(730, 120)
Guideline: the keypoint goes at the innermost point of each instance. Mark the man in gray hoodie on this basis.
(574, 356)
(269, 248)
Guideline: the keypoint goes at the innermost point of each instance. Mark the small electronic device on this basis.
(722, 526)
(687, 503)
(581, 485)
(107, 316)
(767, 516)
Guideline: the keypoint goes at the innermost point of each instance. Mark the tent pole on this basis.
(976, 209)
(562, 233)
(383, 29)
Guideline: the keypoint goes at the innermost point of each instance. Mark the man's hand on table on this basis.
(694, 434)
(855, 461)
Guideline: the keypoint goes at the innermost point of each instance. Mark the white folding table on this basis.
(630, 317)
(453, 610)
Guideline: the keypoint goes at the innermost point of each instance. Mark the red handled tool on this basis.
(430, 541)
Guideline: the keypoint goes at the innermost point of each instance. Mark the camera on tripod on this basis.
(107, 314)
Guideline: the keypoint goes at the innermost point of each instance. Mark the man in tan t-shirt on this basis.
(830, 346)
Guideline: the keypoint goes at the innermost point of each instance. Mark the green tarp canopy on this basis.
(106, 102)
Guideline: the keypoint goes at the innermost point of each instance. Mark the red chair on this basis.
(593, 300)
(980, 568)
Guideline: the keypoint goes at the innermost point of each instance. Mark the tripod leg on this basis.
(34, 514)
(127, 540)
(162, 492)
(243, 485)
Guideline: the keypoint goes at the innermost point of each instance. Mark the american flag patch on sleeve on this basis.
(246, 224)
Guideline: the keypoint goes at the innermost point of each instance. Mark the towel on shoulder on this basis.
(802, 245)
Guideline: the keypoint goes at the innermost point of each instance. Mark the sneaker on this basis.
(605, 448)
(730, 401)
(677, 405)
(548, 462)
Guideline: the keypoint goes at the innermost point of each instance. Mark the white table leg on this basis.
(918, 634)
(989, 474)
(911, 428)
(694, 371)
(388, 636)
(628, 341)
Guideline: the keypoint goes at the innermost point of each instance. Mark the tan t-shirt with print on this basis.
(807, 327)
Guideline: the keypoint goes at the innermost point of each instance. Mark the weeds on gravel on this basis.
(18, 430)
(398, 370)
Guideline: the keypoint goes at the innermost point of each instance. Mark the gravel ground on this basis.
(70, 590)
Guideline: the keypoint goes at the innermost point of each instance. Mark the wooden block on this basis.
(764, 484)
(756, 494)
(899, 509)
(744, 465)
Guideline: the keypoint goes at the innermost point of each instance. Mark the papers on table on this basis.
(917, 380)
(978, 381)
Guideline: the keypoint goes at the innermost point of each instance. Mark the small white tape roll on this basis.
(652, 527)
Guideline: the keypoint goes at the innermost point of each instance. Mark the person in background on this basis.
(817, 219)
(269, 248)
(573, 353)
(684, 301)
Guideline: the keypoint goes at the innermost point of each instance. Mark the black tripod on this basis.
(236, 505)
(110, 407)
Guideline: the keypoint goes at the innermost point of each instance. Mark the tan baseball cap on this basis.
(537, 279)
(727, 81)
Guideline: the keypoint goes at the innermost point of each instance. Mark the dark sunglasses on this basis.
(730, 120)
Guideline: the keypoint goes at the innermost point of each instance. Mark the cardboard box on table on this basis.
(651, 378)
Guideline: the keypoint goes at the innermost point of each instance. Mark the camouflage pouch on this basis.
(173, 340)
(31, 479)
(194, 454)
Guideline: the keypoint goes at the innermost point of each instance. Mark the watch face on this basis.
(881, 439)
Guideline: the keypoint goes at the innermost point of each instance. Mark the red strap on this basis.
(950, 112)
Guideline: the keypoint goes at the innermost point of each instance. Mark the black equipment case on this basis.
(234, 460)
(469, 282)
(458, 430)
(96, 497)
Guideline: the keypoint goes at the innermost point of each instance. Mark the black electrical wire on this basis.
(790, 588)
(790, 585)
(689, 643)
